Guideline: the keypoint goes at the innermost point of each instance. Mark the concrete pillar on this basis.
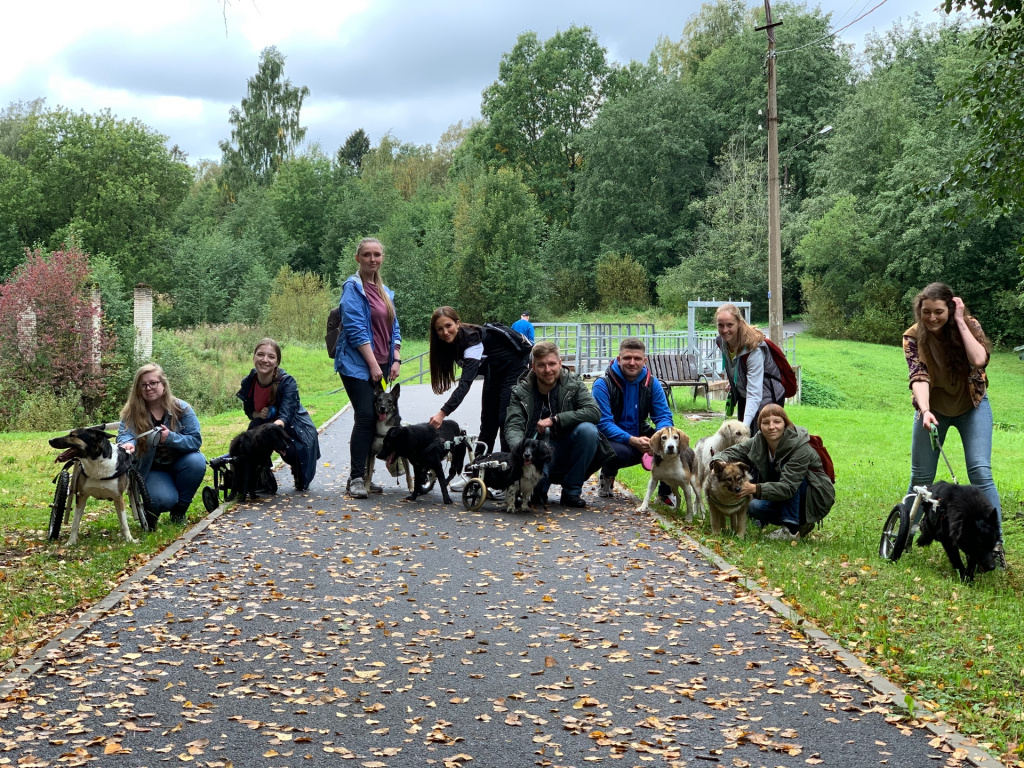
(27, 333)
(143, 322)
(95, 342)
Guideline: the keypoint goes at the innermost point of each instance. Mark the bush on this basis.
(824, 316)
(299, 303)
(622, 282)
(44, 411)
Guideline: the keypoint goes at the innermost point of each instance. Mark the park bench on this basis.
(679, 369)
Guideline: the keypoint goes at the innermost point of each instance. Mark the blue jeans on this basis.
(785, 513)
(975, 428)
(179, 485)
(574, 453)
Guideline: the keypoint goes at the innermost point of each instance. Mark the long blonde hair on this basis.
(747, 335)
(379, 284)
(135, 413)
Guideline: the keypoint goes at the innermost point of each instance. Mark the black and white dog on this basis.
(529, 459)
(961, 518)
(421, 446)
(103, 475)
(251, 452)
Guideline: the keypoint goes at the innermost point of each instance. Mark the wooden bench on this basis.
(679, 369)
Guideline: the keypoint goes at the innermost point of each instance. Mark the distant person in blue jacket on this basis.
(369, 351)
(524, 326)
(628, 396)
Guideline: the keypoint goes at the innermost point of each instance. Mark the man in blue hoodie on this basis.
(628, 396)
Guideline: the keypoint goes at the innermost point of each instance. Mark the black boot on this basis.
(178, 513)
(297, 476)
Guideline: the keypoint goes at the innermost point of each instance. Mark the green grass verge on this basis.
(42, 583)
(959, 648)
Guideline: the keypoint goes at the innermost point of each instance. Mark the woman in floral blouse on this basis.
(947, 352)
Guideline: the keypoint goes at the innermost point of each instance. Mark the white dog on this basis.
(673, 465)
(729, 434)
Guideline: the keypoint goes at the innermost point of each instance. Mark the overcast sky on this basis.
(412, 67)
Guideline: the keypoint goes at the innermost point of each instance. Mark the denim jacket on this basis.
(356, 331)
(185, 439)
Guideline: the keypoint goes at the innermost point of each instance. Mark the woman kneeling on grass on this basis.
(169, 460)
(270, 394)
(792, 489)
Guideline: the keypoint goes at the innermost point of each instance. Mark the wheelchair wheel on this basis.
(139, 501)
(474, 494)
(895, 533)
(60, 503)
(210, 499)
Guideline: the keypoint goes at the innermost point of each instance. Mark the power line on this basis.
(834, 33)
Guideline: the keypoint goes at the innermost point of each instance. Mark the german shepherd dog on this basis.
(529, 459)
(104, 474)
(421, 446)
(674, 466)
(961, 518)
(251, 451)
(722, 491)
(385, 407)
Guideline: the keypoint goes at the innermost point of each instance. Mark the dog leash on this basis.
(937, 446)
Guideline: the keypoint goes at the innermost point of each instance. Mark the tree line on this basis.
(587, 184)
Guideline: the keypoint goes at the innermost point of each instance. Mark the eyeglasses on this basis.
(150, 384)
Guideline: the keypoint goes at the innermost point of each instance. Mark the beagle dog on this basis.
(674, 466)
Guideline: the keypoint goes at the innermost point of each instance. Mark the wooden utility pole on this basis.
(774, 225)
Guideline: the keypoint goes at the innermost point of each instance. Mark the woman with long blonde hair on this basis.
(168, 460)
(368, 353)
(754, 378)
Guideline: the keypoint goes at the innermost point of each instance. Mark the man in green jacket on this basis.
(555, 405)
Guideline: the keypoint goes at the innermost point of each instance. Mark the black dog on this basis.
(528, 462)
(251, 451)
(421, 446)
(450, 431)
(962, 518)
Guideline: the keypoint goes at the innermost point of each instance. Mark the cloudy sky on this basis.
(411, 67)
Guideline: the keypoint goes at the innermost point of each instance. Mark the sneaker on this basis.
(606, 486)
(1000, 557)
(569, 500)
(667, 500)
(783, 534)
(497, 495)
(458, 483)
(356, 488)
(376, 488)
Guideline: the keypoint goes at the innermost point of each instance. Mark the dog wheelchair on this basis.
(476, 491)
(224, 489)
(473, 448)
(67, 481)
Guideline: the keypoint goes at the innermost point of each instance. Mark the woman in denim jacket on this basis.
(169, 460)
(368, 352)
(947, 352)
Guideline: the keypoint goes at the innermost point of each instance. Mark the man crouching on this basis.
(556, 406)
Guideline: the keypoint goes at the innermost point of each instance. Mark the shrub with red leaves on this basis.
(58, 354)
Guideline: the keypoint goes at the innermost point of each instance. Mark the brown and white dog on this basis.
(673, 465)
(729, 434)
(724, 482)
(103, 474)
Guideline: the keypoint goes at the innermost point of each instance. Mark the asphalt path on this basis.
(313, 630)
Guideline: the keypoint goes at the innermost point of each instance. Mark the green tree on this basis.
(303, 195)
(266, 129)
(497, 231)
(351, 152)
(714, 25)
(545, 96)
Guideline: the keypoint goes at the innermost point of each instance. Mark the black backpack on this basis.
(519, 343)
(333, 331)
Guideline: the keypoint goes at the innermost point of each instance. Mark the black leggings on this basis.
(361, 395)
(498, 385)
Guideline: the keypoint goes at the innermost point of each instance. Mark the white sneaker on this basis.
(458, 483)
(605, 486)
(783, 534)
(498, 495)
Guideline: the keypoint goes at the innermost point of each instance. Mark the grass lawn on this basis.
(43, 583)
(958, 647)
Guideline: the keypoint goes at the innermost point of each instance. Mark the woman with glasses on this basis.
(168, 459)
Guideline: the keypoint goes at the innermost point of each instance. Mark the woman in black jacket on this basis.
(268, 393)
(500, 354)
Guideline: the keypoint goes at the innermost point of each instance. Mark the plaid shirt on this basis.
(977, 382)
